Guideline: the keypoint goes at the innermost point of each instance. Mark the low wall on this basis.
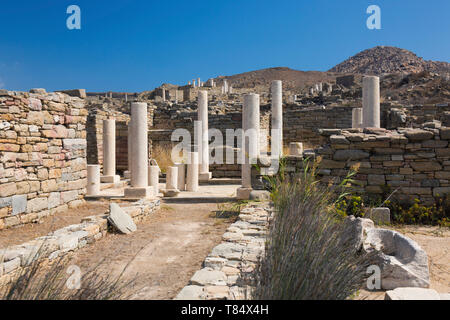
(42, 155)
(415, 163)
(66, 240)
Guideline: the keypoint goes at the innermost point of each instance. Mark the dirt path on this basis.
(166, 250)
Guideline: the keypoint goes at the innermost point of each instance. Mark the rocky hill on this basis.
(292, 79)
(383, 59)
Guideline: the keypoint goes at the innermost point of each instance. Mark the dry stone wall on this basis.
(415, 163)
(65, 241)
(42, 155)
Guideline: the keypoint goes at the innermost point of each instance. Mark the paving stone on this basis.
(207, 276)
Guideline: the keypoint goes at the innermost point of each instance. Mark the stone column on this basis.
(277, 119)
(93, 180)
(193, 83)
(109, 152)
(127, 173)
(205, 175)
(356, 118)
(250, 143)
(172, 178)
(153, 178)
(199, 83)
(163, 94)
(139, 153)
(192, 172)
(181, 176)
(296, 149)
(371, 102)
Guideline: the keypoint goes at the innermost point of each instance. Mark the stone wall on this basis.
(302, 124)
(42, 155)
(415, 163)
(66, 240)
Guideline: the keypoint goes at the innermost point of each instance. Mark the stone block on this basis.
(379, 215)
(19, 204)
(37, 204)
(412, 294)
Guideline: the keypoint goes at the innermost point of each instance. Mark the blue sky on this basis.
(132, 45)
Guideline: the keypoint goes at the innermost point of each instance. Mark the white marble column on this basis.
(250, 143)
(93, 180)
(181, 176)
(139, 153)
(277, 119)
(192, 172)
(109, 152)
(153, 178)
(356, 118)
(204, 175)
(371, 102)
(172, 178)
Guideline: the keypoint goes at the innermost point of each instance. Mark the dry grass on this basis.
(163, 155)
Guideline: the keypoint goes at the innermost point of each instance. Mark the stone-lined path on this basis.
(167, 249)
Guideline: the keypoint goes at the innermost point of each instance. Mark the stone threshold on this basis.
(228, 269)
(65, 240)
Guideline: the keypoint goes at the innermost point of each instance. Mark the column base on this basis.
(134, 193)
(170, 193)
(110, 179)
(243, 193)
(206, 176)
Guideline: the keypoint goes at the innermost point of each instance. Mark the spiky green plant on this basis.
(305, 257)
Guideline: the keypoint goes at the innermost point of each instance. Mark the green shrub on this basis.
(305, 257)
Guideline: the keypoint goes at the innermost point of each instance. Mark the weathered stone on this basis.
(37, 204)
(191, 293)
(426, 166)
(376, 179)
(341, 155)
(120, 220)
(8, 189)
(403, 263)
(338, 139)
(19, 204)
(208, 276)
(412, 294)
(354, 230)
(379, 215)
(418, 134)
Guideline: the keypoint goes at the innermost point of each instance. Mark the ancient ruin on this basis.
(62, 150)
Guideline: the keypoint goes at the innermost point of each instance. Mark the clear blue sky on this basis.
(132, 45)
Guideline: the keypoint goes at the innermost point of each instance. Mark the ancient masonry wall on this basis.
(66, 240)
(415, 163)
(303, 124)
(42, 155)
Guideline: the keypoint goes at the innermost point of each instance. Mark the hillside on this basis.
(292, 79)
(383, 59)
